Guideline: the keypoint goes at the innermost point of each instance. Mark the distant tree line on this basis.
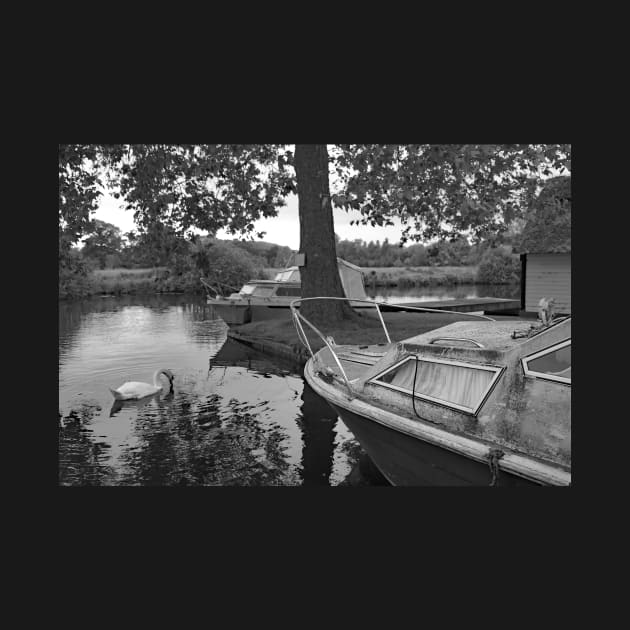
(545, 227)
(456, 253)
(159, 246)
(227, 262)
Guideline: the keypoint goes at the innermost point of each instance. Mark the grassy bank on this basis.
(419, 276)
(368, 330)
(160, 280)
(126, 281)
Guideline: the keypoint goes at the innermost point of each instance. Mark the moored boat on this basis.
(472, 403)
(270, 299)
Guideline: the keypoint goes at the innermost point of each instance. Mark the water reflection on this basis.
(455, 292)
(317, 424)
(235, 417)
(137, 404)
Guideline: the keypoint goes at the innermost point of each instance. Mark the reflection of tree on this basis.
(185, 442)
(80, 458)
(203, 326)
(70, 317)
(317, 423)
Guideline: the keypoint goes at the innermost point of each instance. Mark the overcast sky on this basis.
(282, 230)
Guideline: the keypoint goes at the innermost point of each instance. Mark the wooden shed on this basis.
(548, 275)
(546, 249)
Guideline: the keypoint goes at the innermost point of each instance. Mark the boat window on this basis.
(247, 289)
(553, 363)
(293, 291)
(290, 275)
(264, 291)
(451, 383)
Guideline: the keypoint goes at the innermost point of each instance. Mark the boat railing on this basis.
(210, 289)
(329, 342)
(217, 293)
(476, 343)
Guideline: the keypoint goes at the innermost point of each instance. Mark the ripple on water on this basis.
(236, 417)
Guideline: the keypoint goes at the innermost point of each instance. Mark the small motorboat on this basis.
(479, 402)
(270, 299)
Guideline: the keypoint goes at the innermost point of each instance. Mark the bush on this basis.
(217, 262)
(74, 278)
(498, 266)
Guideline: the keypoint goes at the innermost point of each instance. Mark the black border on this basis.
(489, 525)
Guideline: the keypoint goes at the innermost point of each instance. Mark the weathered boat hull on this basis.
(232, 313)
(418, 452)
(470, 403)
(408, 461)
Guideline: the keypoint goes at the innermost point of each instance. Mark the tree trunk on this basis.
(320, 276)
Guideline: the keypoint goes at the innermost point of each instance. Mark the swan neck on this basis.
(156, 377)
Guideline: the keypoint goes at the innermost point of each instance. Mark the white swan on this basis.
(134, 389)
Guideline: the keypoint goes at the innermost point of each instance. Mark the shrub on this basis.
(217, 262)
(74, 280)
(498, 266)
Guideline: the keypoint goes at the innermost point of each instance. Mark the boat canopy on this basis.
(291, 274)
(351, 278)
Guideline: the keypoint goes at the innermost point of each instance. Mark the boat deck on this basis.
(492, 335)
(356, 360)
(467, 305)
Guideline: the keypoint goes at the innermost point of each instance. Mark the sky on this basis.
(283, 229)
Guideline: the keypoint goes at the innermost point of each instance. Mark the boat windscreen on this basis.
(264, 291)
(455, 385)
(247, 289)
(552, 363)
(288, 275)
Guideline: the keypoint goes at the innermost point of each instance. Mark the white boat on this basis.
(472, 403)
(271, 299)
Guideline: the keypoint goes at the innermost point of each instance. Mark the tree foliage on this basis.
(104, 241)
(440, 191)
(549, 226)
(79, 190)
(155, 245)
(221, 263)
(458, 252)
(498, 266)
(437, 191)
(209, 187)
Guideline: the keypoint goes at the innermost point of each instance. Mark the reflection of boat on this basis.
(234, 353)
(469, 403)
(270, 299)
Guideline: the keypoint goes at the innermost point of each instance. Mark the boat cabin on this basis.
(506, 384)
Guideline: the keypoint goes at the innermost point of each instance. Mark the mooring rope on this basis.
(413, 388)
(494, 455)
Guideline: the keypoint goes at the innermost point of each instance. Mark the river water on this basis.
(456, 292)
(235, 416)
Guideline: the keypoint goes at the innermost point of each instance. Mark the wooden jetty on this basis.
(487, 305)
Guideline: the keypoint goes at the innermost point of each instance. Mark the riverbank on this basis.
(407, 277)
(118, 282)
(160, 280)
(280, 336)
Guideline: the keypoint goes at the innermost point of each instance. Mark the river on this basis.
(235, 416)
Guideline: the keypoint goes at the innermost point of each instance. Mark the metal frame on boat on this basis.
(518, 423)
